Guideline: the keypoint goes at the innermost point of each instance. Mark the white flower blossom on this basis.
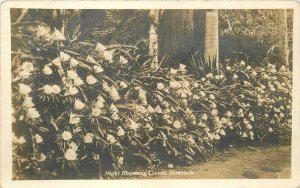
(88, 138)
(111, 139)
(38, 138)
(243, 63)
(133, 125)
(73, 146)
(182, 67)
(48, 89)
(72, 74)
(73, 91)
(56, 62)
(56, 89)
(78, 81)
(123, 60)
(96, 112)
(66, 135)
(28, 102)
(47, 70)
(222, 132)
(108, 56)
(21, 140)
(149, 127)
(120, 131)
(173, 71)
(91, 80)
(73, 63)
(235, 76)
(175, 84)
(32, 113)
(70, 155)
(204, 117)
(57, 35)
(100, 47)
(160, 86)
(64, 57)
(270, 129)
(98, 69)
(74, 119)
(244, 135)
(214, 112)
(212, 97)
(123, 85)
(78, 105)
(24, 89)
(228, 68)
(177, 124)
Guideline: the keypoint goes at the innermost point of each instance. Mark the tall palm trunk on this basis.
(175, 39)
(153, 38)
(211, 55)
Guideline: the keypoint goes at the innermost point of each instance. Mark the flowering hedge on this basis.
(81, 109)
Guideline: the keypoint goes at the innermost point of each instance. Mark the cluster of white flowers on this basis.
(115, 112)
(49, 90)
(107, 55)
(18, 141)
(91, 80)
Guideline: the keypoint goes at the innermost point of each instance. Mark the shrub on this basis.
(81, 109)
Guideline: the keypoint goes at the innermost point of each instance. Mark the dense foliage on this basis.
(83, 108)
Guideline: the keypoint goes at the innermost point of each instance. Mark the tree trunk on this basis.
(211, 55)
(153, 38)
(175, 40)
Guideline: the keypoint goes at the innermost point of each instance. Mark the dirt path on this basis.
(263, 163)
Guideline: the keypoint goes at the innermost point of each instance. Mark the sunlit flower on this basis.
(270, 129)
(203, 79)
(74, 63)
(216, 137)
(149, 127)
(214, 112)
(222, 132)
(72, 74)
(158, 109)
(182, 67)
(32, 113)
(160, 86)
(228, 68)
(42, 31)
(111, 139)
(100, 47)
(254, 73)
(28, 102)
(48, 89)
(177, 124)
(64, 57)
(47, 70)
(235, 76)
(249, 126)
(196, 97)
(73, 146)
(114, 94)
(244, 135)
(224, 120)
(123, 85)
(243, 63)
(91, 80)
(24, 89)
(241, 113)
(108, 56)
(66, 135)
(70, 155)
(56, 62)
(96, 112)
(38, 138)
(42, 157)
(56, 89)
(170, 165)
(74, 119)
(120, 131)
(78, 81)
(204, 117)
(88, 138)
(21, 140)
(98, 69)
(133, 125)
(212, 97)
(123, 60)
(248, 67)
(78, 105)
(99, 104)
(173, 71)
(120, 161)
(73, 90)
(57, 35)
(210, 76)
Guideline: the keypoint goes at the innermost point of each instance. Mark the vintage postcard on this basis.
(169, 93)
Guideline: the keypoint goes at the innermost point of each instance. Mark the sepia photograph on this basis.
(150, 93)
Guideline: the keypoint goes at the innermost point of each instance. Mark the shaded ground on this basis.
(273, 162)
